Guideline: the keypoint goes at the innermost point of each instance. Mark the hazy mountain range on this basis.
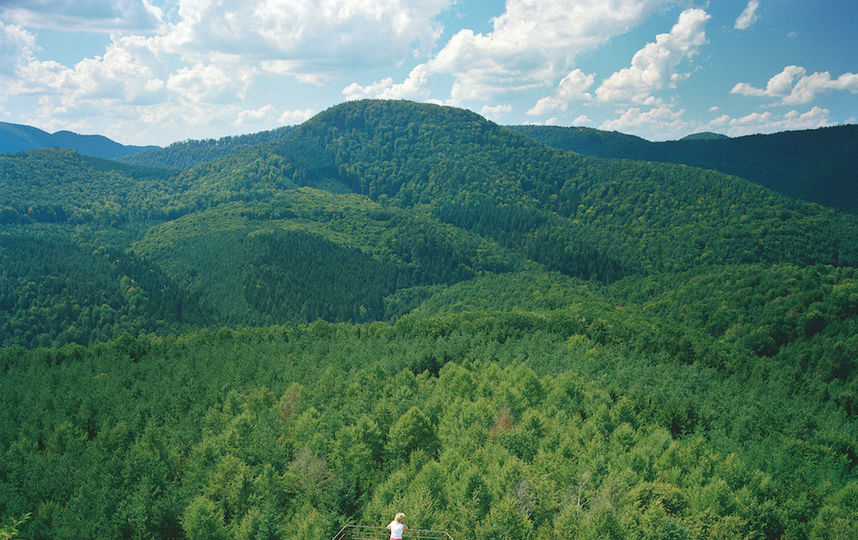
(18, 137)
(813, 165)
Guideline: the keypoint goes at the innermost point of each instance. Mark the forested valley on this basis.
(405, 307)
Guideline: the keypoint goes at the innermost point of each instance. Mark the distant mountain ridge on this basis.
(815, 165)
(19, 137)
(704, 136)
(812, 165)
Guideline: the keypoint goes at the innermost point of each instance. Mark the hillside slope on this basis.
(187, 154)
(428, 155)
(415, 195)
(814, 165)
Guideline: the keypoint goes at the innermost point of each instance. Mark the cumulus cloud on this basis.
(255, 115)
(552, 121)
(748, 16)
(333, 33)
(413, 87)
(302, 70)
(124, 72)
(654, 67)
(295, 117)
(214, 50)
(530, 45)
(721, 121)
(794, 86)
(199, 63)
(768, 122)
(265, 115)
(16, 47)
(495, 112)
(807, 87)
(207, 83)
(573, 87)
(89, 16)
(659, 122)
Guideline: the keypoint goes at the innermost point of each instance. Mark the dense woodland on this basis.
(815, 165)
(186, 154)
(404, 307)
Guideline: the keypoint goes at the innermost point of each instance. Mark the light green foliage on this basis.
(203, 520)
(411, 431)
(10, 530)
(490, 447)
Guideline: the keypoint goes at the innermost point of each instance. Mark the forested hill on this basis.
(423, 195)
(406, 307)
(815, 165)
(434, 195)
(187, 154)
(17, 137)
(480, 176)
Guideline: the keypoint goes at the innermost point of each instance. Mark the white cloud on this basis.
(748, 16)
(88, 16)
(552, 121)
(16, 46)
(768, 122)
(653, 67)
(779, 85)
(659, 122)
(414, 86)
(125, 72)
(207, 83)
(806, 88)
(530, 45)
(302, 70)
(333, 34)
(214, 50)
(255, 115)
(795, 87)
(495, 112)
(721, 121)
(582, 120)
(192, 72)
(573, 87)
(297, 116)
(746, 89)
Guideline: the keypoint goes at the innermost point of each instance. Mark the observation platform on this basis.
(364, 532)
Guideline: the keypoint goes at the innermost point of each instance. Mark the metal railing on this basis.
(365, 532)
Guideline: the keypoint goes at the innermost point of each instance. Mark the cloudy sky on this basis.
(159, 71)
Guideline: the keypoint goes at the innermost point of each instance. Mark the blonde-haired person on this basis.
(397, 527)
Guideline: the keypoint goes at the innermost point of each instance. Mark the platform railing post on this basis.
(368, 532)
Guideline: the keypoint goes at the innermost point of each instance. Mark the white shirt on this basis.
(396, 529)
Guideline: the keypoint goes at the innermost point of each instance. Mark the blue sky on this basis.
(159, 71)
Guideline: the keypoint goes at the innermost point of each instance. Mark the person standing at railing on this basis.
(397, 527)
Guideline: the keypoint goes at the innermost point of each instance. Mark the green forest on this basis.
(815, 165)
(402, 307)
